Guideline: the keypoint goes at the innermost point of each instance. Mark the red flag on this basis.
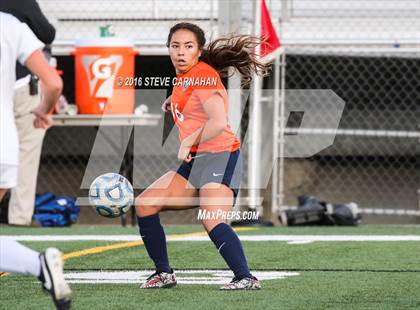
(271, 46)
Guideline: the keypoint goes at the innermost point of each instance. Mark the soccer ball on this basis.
(111, 195)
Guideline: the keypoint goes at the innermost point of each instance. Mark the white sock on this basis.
(15, 257)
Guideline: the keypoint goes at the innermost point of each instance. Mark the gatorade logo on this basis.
(101, 73)
(101, 68)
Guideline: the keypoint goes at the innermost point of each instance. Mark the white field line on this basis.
(183, 276)
(288, 238)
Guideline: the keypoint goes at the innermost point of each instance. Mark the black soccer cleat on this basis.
(52, 278)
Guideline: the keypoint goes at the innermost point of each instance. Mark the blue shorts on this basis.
(223, 167)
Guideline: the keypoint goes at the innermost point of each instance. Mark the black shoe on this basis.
(52, 278)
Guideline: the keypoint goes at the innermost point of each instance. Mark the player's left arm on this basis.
(216, 124)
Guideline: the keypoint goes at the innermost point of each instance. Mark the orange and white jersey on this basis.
(191, 90)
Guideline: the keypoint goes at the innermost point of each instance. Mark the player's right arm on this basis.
(29, 54)
(166, 105)
(51, 86)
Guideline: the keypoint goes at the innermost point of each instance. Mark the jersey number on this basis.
(176, 113)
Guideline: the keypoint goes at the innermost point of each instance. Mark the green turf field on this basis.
(329, 274)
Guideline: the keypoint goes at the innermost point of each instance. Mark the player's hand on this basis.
(166, 105)
(184, 153)
(42, 118)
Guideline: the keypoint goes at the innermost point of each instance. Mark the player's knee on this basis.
(145, 206)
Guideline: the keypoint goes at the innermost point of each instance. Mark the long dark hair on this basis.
(236, 51)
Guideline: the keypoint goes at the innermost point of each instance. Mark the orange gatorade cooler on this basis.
(103, 65)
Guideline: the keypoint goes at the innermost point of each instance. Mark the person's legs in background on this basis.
(21, 204)
(8, 178)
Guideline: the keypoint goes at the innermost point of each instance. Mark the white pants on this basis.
(8, 176)
(15, 257)
(21, 205)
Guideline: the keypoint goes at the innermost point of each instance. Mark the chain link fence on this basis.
(373, 159)
(366, 52)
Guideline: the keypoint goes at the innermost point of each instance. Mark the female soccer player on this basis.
(211, 166)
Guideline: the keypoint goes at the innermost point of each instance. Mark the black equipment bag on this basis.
(312, 211)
